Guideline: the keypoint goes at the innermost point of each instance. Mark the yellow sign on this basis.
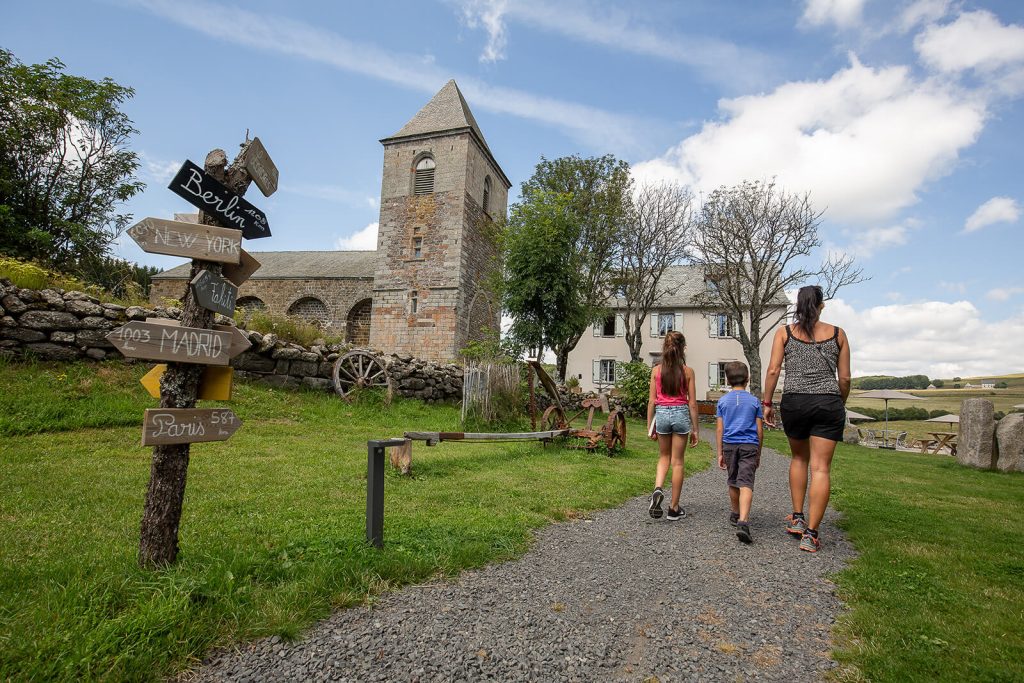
(214, 385)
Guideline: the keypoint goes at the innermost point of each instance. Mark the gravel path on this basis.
(617, 596)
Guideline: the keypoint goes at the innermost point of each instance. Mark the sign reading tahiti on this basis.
(214, 293)
(206, 193)
(192, 240)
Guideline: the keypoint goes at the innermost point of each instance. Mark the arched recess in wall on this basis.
(480, 323)
(250, 304)
(357, 323)
(311, 310)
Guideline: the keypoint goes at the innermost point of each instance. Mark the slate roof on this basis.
(288, 265)
(446, 112)
(683, 284)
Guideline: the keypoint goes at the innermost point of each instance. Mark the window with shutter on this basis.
(596, 376)
(620, 325)
(487, 195)
(608, 327)
(678, 324)
(424, 177)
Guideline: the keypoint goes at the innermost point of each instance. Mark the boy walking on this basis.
(740, 433)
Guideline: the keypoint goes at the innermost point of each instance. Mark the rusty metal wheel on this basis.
(554, 418)
(358, 370)
(615, 431)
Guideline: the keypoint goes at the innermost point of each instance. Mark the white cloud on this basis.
(361, 240)
(995, 210)
(862, 142)
(417, 72)
(868, 242)
(842, 13)
(158, 170)
(976, 40)
(612, 26)
(922, 12)
(935, 338)
(1003, 293)
(955, 287)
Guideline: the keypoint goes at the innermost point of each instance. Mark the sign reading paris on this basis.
(206, 193)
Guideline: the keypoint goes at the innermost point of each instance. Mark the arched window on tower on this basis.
(423, 183)
(487, 195)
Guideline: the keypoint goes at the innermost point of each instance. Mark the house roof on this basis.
(290, 265)
(446, 112)
(683, 283)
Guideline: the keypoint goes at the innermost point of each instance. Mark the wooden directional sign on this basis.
(167, 342)
(214, 383)
(239, 340)
(188, 425)
(214, 293)
(240, 273)
(207, 194)
(173, 238)
(261, 167)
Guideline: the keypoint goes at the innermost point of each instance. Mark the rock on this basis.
(52, 298)
(48, 351)
(309, 357)
(303, 368)
(975, 446)
(850, 434)
(13, 304)
(1010, 443)
(97, 338)
(75, 295)
(253, 362)
(8, 321)
(112, 314)
(115, 308)
(279, 381)
(318, 383)
(83, 307)
(138, 313)
(62, 337)
(96, 354)
(49, 320)
(93, 322)
(286, 353)
(413, 383)
(325, 370)
(268, 342)
(23, 335)
(281, 367)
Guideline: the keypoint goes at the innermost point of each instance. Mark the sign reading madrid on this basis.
(206, 193)
(187, 425)
(167, 342)
(192, 240)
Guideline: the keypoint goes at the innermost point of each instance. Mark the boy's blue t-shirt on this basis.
(739, 410)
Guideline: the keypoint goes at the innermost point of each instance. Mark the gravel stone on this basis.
(613, 596)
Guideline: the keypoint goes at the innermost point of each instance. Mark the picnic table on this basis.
(939, 441)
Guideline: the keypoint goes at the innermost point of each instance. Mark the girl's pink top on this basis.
(662, 399)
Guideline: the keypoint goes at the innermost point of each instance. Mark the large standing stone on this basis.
(975, 447)
(1010, 443)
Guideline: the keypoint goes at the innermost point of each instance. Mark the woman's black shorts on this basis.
(807, 415)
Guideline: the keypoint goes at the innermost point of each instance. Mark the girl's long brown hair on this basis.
(673, 358)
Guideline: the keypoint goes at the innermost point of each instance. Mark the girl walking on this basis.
(817, 361)
(671, 420)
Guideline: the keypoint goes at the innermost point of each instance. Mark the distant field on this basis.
(948, 399)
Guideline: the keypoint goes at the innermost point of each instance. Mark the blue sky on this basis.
(902, 119)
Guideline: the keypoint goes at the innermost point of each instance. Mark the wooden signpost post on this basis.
(214, 293)
(193, 346)
(181, 425)
(209, 195)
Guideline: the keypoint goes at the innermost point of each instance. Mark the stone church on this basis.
(422, 292)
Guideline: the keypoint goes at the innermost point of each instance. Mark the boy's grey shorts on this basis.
(672, 419)
(740, 463)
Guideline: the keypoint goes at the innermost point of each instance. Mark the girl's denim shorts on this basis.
(672, 419)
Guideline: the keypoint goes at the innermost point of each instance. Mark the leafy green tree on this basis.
(938, 383)
(562, 241)
(64, 163)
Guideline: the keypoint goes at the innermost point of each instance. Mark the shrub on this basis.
(1002, 385)
(938, 383)
(957, 379)
(285, 327)
(956, 386)
(30, 275)
(634, 386)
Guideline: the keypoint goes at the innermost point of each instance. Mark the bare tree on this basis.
(657, 235)
(753, 242)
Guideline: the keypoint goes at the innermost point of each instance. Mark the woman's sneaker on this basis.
(655, 509)
(673, 515)
(809, 543)
(796, 525)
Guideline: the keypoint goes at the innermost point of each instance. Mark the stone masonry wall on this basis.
(58, 325)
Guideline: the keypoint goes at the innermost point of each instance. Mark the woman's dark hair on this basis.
(808, 308)
(673, 358)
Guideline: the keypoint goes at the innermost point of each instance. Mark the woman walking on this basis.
(671, 414)
(816, 356)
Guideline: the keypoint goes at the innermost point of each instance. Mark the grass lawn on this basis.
(272, 534)
(938, 590)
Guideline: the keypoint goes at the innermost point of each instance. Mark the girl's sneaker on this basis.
(796, 525)
(809, 543)
(655, 509)
(673, 515)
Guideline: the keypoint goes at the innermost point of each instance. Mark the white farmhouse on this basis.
(710, 342)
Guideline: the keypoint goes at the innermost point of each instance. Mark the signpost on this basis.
(207, 194)
(214, 293)
(168, 342)
(261, 167)
(239, 342)
(173, 238)
(189, 425)
(238, 274)
(214, 383)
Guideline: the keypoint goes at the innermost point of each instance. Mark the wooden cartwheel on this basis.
(612, 434)
(358, 370)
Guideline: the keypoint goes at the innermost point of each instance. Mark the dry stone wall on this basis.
(58, 325)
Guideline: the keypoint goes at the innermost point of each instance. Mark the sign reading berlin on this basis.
(206, 193)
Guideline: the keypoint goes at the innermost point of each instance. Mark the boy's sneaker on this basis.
(673, 515)
(809, 543)
(655, 509)
(733, 518)
(743, 532)
(796, 525)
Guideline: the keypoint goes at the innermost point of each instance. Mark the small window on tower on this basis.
(417, 247)
(414, 302)
(423, 182)
(487, 195)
